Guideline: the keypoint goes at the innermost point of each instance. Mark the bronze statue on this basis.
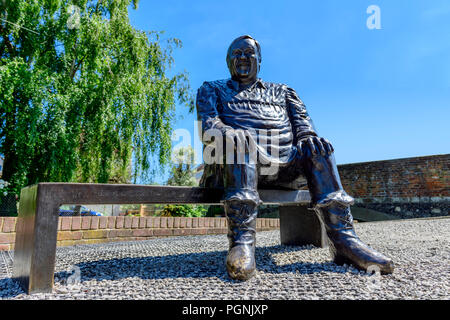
(246, 111)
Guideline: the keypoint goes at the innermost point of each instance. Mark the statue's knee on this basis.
(314, 155)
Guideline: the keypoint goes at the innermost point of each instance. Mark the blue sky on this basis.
(374, 93)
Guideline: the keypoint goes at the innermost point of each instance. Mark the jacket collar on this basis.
(235, 85)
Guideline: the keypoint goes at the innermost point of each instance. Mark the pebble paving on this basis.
(192, 267)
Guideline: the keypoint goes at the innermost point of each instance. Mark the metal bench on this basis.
(37, 225)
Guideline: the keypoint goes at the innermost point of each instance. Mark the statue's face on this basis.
(243, 61)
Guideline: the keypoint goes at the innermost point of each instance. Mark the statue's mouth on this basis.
(244, 66)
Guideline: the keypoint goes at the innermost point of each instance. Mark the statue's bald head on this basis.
(244, 51)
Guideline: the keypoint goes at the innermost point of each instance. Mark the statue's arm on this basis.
(303, 127)
(302, 124)
(207, 112)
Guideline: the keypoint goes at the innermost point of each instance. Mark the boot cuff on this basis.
(340, 197)
(245, 195)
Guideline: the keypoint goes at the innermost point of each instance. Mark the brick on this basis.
(162, 232)
(142, 232)
(183, 222)
(212, 222)
(120, 233)
(7, 237)
(127, 222)
(170, 222)
(94, 241)
(103, 222)
(194, 223)
(1, 223)
(216, 222)
(163, 222)
(181, 232)
(176, 222)
(85, 223)
(263, 222)
(149, 222)
(119, 222)
(69, 235)
(9, 224)
(189, 222)
(218, 230)
(156, 222)
(201, 222)
(199, 231)
(59, 223)
(94, 222)
(142, 222)
(76, 223)
(258, 223)
(135, 222)
(64, 243)
(95, 234)
(66, 223)
(111, 223)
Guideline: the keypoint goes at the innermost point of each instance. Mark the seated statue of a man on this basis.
(270, 118)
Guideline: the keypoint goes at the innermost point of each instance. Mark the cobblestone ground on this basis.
(193, 268)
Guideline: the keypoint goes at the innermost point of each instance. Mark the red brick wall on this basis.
(87, 230)
(400, 178)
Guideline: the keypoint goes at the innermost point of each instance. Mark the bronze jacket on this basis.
(273, 111)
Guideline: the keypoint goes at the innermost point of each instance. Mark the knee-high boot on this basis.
(332, 206)
(344, 244)
(241, 217)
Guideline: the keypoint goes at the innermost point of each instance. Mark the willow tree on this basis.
(83, 93)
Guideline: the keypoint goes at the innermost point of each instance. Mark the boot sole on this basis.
(341, 260)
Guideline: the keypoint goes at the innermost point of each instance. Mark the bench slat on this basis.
(94, 193)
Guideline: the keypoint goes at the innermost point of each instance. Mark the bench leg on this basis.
(300, 226)
(35, 246)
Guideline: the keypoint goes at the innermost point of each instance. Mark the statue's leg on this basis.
(240, 204)
(332, 206)
(299, 226)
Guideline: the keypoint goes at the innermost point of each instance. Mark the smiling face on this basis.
(243, 60)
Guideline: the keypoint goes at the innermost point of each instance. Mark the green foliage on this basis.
(182, 168)
(83, 94)
(182, 174)
(184, 210)
(215, 211)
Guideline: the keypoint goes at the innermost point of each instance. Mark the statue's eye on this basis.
(237, 52)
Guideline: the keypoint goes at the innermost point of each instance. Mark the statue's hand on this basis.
(316, 145)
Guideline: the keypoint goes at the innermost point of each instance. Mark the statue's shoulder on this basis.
(215, 84)
(274, 85)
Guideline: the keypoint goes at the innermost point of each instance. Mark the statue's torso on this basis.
(261, 108)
